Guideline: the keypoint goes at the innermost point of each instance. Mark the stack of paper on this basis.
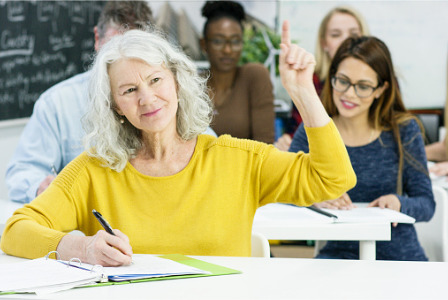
(42, 276)
(144, 267)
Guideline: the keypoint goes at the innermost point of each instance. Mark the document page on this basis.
(363, 214)
(287, 214)
(144, 266)
(32, 275)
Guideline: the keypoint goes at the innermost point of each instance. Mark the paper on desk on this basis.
(370, 215)
(288, 215)
(147, 267)
(282, 214)
(42, 276)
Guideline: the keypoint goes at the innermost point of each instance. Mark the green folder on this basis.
(214, 270)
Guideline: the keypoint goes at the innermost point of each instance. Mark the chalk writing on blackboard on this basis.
(41, 44)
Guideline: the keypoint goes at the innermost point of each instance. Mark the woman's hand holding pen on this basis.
(108, 250)
(101, 249)
(296, 67)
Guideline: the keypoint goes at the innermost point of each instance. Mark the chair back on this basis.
(433, 235)
(260, 245)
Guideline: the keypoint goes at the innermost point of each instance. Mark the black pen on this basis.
(103, 222)
(320, 211)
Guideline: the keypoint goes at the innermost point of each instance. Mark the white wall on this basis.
(10, 132)
(416, 33)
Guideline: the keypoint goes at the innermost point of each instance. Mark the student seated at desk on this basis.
(242, 95)
(154, 176)
(384, 143)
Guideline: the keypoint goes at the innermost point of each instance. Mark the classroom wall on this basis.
(415, 32)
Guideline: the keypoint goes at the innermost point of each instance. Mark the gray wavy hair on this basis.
(116, 143)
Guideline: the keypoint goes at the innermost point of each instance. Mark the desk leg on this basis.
(367, 250)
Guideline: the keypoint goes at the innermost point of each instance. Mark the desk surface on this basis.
(285, 278)
(291, 223)
(287, 222)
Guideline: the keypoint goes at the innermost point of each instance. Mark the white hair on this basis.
(116, 143)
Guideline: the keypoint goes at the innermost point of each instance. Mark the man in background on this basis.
(53, 136)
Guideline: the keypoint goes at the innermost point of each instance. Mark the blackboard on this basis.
(42, 43)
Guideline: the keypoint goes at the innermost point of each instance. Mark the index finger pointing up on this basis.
(286, 39)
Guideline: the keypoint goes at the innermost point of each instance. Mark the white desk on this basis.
(292, 225)
(284, 278)
(7, 208)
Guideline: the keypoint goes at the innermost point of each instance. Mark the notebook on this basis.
(44, 275)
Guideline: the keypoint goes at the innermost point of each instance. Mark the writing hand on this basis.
(387, 201)
(101, 249)
(108, 250)
(44, 184)
(344, 202)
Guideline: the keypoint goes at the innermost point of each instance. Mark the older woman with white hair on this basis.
(152, 174)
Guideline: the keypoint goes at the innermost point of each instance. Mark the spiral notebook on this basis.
(43, 276)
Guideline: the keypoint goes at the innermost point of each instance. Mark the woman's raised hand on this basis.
(296, 65)
(296, 71)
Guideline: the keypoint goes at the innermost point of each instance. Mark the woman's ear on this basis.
(118, 111)
(381, 90)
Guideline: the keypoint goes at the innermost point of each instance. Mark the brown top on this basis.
(248, 111)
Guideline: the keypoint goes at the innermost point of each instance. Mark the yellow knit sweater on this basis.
(205, 209)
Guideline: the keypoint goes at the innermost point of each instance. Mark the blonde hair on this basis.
(116, 143)
(323, 61)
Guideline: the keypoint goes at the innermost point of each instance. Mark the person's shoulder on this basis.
(254, 68)
(409, 127)
(82, 163)
(78, 83)
(254, 74)
(226, 141)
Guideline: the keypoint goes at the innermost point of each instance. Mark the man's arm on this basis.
(38, 150)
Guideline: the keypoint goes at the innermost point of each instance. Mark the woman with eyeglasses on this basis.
(242, 95)
(384, 142)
